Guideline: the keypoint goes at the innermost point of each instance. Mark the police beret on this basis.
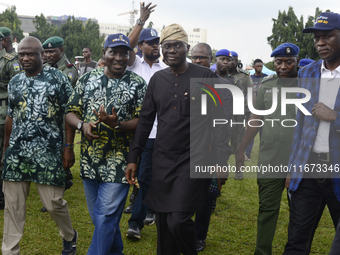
(286, 50)
(305, 61)
(53, 42)
(234, 53)
(1, 36)
(223, 52)
(5, 31)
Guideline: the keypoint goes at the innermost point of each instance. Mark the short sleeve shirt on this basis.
(104, 158)
(37, 106)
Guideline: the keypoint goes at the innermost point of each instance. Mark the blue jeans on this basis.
(105, 202)
(139, 209)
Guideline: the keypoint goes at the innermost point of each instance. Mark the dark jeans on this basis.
(139, 209)
(306, 208)
(175, 233)
(202, 218)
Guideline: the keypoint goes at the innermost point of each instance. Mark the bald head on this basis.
(30, 54)
(32, 43)
(201, 54)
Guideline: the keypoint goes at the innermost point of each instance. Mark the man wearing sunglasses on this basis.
(145, 66)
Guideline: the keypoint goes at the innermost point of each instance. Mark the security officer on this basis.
(9, 66)
(276, 141)
(54, 53)
(223, 59)
(7, 41)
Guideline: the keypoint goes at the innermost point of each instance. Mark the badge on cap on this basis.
(49, 45)
(153, 32)
(288, 51)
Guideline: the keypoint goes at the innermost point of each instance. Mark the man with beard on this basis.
(173, 195)
(145, 66)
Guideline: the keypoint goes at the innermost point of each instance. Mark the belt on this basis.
(324, 157)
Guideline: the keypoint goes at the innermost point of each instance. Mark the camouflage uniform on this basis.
(9, 66)
(67, 68)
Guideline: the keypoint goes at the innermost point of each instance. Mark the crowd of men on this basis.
(139, 115)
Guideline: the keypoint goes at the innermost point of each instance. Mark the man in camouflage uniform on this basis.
(7, 41)
(54, 52)
(9, 66)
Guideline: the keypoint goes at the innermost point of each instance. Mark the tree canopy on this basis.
(288, 28)
(9, 19)
(76, 36)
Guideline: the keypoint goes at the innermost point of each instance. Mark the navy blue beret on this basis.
(223, 52)
(305, 61)
(286, 50)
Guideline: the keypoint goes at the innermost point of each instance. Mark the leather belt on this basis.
(324, 157)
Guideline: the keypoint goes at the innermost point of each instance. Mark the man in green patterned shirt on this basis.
(33, 146)
(105, 106)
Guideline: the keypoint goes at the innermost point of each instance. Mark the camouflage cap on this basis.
(1, 36)
(5, 31)
(53, 42)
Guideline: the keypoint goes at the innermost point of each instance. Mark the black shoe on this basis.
(200, 245)
(43, 209)
(150, 219)
(128, 209)
(133, 233)
(2, 206)
(70, 248)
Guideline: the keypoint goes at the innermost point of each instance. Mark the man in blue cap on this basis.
(305, 61)
(276, 141)
(105, 106)
(316, 142)
(145, 66)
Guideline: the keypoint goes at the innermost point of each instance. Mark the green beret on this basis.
(5, 31)
(53, 42)
(1, 36)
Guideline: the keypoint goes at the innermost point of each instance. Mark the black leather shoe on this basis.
(133, 233)
(128, 209)
(200, 245)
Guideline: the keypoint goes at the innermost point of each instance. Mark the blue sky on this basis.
(241, 26)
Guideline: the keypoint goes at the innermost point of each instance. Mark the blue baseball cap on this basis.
(305, 61)
(115, 40)
(286, 50)
(148, 34)
(326, 21)
(223, 52)
(234, 53)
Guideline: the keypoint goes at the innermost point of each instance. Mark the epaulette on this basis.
(269, 77)
(10, 56)
(68, 63)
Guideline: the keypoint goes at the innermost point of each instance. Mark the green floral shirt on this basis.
(37, 105)
(104, 158)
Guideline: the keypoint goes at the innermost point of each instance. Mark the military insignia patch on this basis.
(16, 67)
(70, 75)
(288, 51)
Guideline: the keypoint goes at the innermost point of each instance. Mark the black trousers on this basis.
(202, 218)
(306, 208)
(175, 233)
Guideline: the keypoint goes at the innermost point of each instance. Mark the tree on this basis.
(9, 18)
(150, 24)
(288, 28)
(77, 36)
(44, 29)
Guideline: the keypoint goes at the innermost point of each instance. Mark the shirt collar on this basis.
(324, 69)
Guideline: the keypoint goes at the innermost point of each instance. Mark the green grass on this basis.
(232, 228)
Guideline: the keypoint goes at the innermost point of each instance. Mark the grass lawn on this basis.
(232, 228)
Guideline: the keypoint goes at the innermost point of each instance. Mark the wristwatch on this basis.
(80, 125)
(69, 145)
(118, 125)
(140, 22)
